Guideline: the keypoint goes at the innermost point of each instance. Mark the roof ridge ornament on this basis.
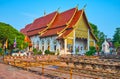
(77, 6)
(58, 9)
(84, 6)
(44, 13)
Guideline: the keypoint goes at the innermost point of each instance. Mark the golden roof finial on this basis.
(77, 6)
(84, 6)
(58, 9)
(44, 12)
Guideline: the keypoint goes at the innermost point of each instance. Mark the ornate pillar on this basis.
(65, 46)
(88, 39)
(74, 41)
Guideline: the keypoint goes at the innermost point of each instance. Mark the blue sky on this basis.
(103, 13)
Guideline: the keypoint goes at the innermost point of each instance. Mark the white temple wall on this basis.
(35, 40)
(53, 43)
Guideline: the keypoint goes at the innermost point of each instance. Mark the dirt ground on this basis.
(9, 72)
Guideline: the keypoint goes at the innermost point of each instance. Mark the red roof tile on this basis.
(75, 19)
(63, 18)
(57, 25)
(28, 26)
(73, 22)
(24, 30)
(42, 21)
(51, 32)
(40, 24)
(59, 22)
(68, 31)
(35, 32)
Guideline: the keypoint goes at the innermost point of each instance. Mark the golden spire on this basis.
(44, 12)
(84, 6)
(58, 9)
(77, 6)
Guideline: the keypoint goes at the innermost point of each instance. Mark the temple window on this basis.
(55, 42)
(55, 47)
(42, 42)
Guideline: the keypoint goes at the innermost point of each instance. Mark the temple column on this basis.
(65, 46)
(88, 40)
(73, 41)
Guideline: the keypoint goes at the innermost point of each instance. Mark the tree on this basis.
(116, 38)
(95, 29)
(100, 35)
(10, 33)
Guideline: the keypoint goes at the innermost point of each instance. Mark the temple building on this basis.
(67, 32)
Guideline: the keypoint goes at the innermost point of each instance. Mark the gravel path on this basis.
(9, 72)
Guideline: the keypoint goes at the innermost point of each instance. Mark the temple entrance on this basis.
(80, 46)
(70, 48)
(61, 50)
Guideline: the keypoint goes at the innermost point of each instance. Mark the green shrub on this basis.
(91, 51)
(47, 52)
(35, 51)
(77, 50)
(1, 51)
(52, 53)
(39, 52)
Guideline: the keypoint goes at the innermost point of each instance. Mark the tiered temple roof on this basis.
(72, 23)
(24, 30)
(39, 24)
(60, 22)
(54, 24)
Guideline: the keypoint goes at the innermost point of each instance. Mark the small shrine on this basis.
(105, 47)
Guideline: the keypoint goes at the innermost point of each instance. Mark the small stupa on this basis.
(105, 47)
